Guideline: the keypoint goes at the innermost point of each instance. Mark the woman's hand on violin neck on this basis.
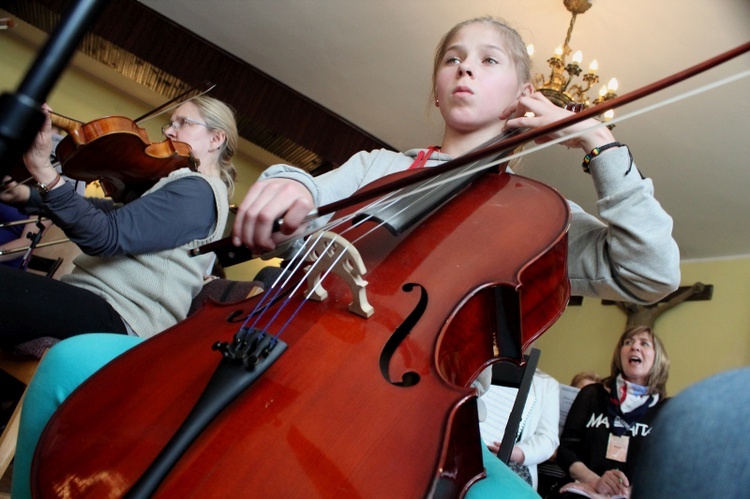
(265, 203)
(37, 158)
(545, 112)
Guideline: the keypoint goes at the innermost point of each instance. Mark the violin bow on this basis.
(202, 89)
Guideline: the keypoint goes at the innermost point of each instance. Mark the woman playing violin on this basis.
(135, 276)
(480, 84)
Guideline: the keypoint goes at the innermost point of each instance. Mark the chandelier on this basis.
(560, 87)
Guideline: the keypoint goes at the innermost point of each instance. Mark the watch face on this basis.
(44, 188)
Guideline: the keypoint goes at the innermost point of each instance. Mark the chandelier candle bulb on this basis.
(577, 57)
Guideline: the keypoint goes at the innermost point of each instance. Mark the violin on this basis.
(118, 154)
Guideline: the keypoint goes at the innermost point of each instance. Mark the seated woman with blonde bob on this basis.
(609, 421)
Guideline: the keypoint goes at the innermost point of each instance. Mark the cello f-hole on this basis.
(409, 378)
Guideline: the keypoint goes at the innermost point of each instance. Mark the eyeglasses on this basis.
(179, 123)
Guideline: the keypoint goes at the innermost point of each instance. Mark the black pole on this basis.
(20, 113)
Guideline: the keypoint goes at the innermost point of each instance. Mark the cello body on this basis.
(333, 415)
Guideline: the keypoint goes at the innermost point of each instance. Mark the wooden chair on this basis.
(43, 265)
(21, 364)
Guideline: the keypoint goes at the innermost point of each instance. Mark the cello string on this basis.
(378, 203)
(299, 260)
(333, 264)
(424, 194)
(296, 261)
(310, 231)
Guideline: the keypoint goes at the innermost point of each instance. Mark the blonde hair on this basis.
(219, 116)
(657, 378)
(585, 376)
(514, 44)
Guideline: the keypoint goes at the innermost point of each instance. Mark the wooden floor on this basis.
(10, 392)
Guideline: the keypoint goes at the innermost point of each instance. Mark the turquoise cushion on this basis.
(500, 481)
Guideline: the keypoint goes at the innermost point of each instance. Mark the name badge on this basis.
(617, 448)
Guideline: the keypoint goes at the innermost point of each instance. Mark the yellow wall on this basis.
(701, 337)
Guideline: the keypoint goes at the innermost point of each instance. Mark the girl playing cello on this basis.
(481, 80)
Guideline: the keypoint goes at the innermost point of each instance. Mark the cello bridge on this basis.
(331, 251)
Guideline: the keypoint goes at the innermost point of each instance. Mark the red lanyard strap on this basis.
(422, 157)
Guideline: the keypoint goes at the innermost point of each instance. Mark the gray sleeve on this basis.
(358, 171)
(179, 212)
(627, 253)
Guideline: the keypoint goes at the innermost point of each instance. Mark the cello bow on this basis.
(421, 175)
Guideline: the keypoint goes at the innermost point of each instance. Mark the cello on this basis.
(322, 409)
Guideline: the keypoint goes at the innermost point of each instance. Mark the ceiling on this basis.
(367, 64)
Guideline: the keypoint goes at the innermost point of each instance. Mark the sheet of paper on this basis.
(499, 401)
(567, 396)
